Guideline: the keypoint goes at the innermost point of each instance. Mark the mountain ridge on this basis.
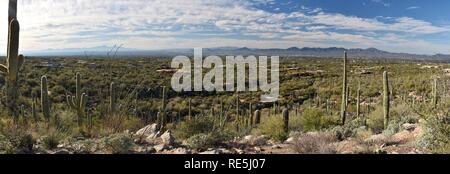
(330, 52)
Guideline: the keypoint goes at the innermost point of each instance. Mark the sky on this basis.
(409, 26)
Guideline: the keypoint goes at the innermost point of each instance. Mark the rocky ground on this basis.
(147, 141)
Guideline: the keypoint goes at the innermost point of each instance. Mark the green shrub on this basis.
(435, 135)
(375, 120)
(51, 141)
(118, 143)
(273, 127)
(401, 114)
(193, 127)
(313, 119)
(17, 139)
(318, 143)
(203, 141)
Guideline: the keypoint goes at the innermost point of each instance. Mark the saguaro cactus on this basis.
(435, 93)
(358, 100)
(257, 117)
(78, 102)
(190, 109)
(14, 61)
(237, 106)
(251, 116)
(45, 101)
(344, 91)
(34, 109)
(162, 114)
(286, 120)
(112, 98)
(386, 99)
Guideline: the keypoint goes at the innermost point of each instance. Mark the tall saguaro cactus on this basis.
(435, 93)
(386, 99)
(161, 117)
(112, 98)
(257, 117)
(14, 61)
(286, 121)
(78, 102)
(34, 109)
(344, 91)
(190, 109)
(358, 100)
(45, 101)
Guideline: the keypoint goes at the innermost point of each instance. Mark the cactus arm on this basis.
(70, 101)
(83, 101)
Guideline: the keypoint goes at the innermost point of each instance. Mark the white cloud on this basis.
(382, 2)
(179, 23)
(412, 8)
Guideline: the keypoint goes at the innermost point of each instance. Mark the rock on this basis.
(160, 147)
(260, 140)
(147, 131)
(379, 138)
(239, 151)
(153, 139)
(224, 151)
(276, 146)
(257, 149)
(380, 151)
(214, 151)
(409, 127)
(167, 138)
(181, 151)
(254, 140)
(350, 147)
(62, 152)
(290, 140)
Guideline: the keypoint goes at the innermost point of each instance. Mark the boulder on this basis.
(181, 151)
(147, 131)
(379, 138)
(254, 140)
(62, 152)
(290, 140)
(167, 138)
(160, 147)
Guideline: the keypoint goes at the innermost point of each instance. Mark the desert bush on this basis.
(17, 139)
(435, 135)
(400, 115)
(194, 126)
(52, 139)
(273, 127)
(346, 131)
(314, 143)
(375, 120)
(315, 119)
(5, 145)
(204, 140)
(118, 143)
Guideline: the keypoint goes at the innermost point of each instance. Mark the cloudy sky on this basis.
(411, 26)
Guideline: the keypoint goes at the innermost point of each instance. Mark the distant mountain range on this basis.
(331, 52)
